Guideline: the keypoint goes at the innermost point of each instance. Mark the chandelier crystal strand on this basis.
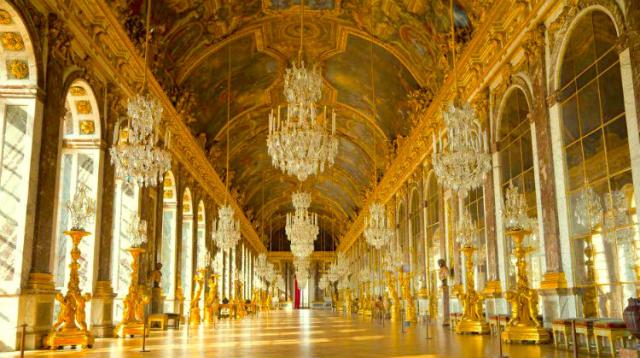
(462, 162)
(137, 231)
(378, 231)
(135, 154)
(226, 230)
(299, 144)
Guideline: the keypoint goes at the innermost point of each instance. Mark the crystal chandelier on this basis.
(515, 210)
(588, 210)
(378, 230)
(392, 259)
(135, 153)
(465, 229)
(226, 230)
(301, 226)
(461, 163)
(137, 231)
(301, 144)
(82, 209)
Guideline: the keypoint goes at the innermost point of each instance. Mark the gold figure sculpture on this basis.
(348, 301)
(194, 314)
(472, 320)
(238, 297)
(405, 286)
(212, 303)
(134, 302)
(393, 296)
(523, 326)
(70, 328)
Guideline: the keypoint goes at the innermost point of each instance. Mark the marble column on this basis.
(554, 284)
(37, 299)
(103, 295)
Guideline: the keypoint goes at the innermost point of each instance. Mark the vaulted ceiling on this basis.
(193, 40)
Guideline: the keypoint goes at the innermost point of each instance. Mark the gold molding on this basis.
(12, 41)
(553, 281)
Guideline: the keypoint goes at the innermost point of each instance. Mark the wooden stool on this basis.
(175, 319)
(610, 330)
(584, 327)
(454, 318)
(160, 318)
(562, 328)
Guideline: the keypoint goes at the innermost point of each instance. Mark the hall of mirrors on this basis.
(464, 170)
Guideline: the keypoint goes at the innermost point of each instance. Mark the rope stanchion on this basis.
(574, 336)
(144, 334)
(500, 338)
(22, 339)
(428, 323)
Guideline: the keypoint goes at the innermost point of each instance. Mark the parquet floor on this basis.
(306, 333)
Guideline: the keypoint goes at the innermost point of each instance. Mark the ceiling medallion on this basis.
(300, 144)
(302, 227)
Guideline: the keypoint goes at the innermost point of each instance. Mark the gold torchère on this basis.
(405, 281)
(590, 292)
(212, 302)
(347, 301)
(133, 317)
(472, 320)
(194, 307)
(393, 296)
(70, 327)
(524, 325)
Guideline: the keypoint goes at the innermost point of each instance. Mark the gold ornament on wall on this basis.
(5, 17)
(87, 127)
(83, 107)
(17, 69)
(77, 91)
(12, 41)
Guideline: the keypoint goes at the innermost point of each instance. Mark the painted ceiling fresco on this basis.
(191, 43)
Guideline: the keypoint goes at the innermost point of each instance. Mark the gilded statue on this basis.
(81, 315)
(405, 285)
(212, 303)
(198, 279)
(393, 295)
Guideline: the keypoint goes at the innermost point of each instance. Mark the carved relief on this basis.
(17, 69)
(83, 107)
(77, 91)
(12, 41)
(87, 127)
(5, 17)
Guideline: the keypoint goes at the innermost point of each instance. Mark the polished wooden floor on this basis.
(307, 333)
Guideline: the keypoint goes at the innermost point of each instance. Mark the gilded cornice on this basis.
(96, 29)
(491, 46)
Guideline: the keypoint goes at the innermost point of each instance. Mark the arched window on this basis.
(186, 255)
(202, 228)
(516, 163)
(169, 247)
(80, 160)
(595, 139)
(125, 208)
(18, 88)
(474, 202)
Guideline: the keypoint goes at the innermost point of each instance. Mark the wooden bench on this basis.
(584, 327)
(562, 332)
(498, 318)
(610, 330)
(162, 321)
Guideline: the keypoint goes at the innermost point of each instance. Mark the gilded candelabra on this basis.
(523, 326)
(348, 301)
(405, 285)
(194, 307)
(70, 327)
(472, 320)
(590, 291)
(393, 295)
(133, 317)
(212, 302)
